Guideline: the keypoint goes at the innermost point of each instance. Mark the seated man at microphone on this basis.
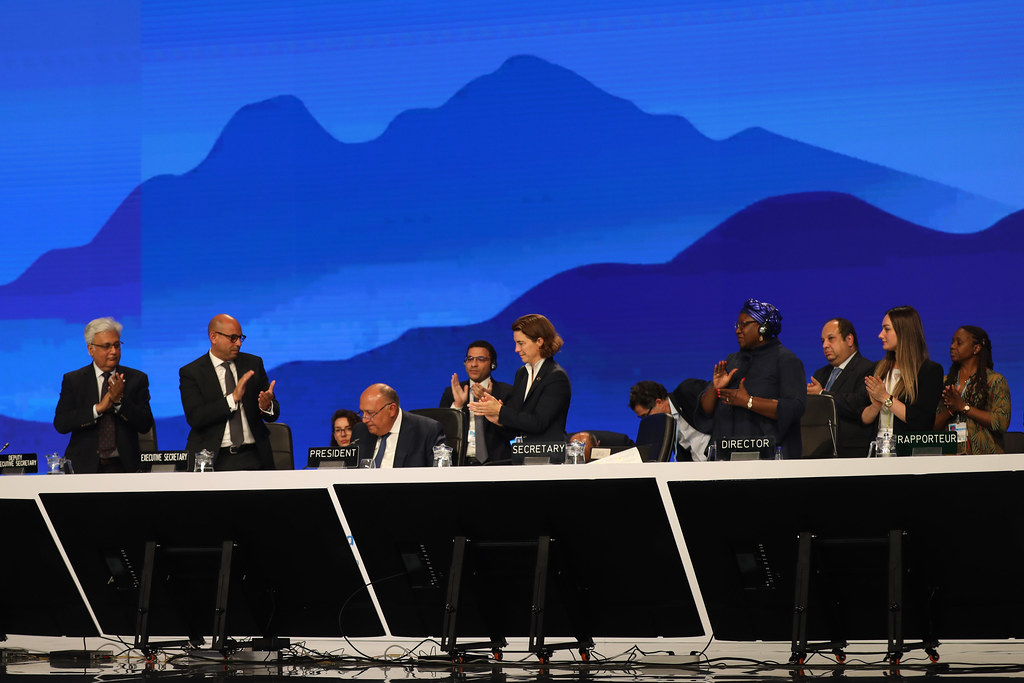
(484, 440)
(843, 379)
(391, 436)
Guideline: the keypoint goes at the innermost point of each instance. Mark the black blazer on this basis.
(206, 407)
(497, 445)
(416, 440)
(78, 394)
(851, 397)
(921, 413)
(540, 416)
(685, 398)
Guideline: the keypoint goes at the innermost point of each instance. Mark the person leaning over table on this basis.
(974, 394)
(760, 389)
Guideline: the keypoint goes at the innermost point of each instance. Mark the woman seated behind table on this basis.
(974, 396)
(539, 404)
(906, 386)
(759, 390)
(342, 423)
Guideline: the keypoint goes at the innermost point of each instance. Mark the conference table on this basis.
(631, 552)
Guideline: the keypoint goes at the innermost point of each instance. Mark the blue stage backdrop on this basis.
(367, 189)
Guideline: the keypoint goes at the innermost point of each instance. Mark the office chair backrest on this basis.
(658, 433)
(819, 427)
(1013, 442)
(451, 422)
(147, 441)
(281, 445)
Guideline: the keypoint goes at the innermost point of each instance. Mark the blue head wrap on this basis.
(765, 314)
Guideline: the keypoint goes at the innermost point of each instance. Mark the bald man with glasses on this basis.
(227, 398)
(393, 437)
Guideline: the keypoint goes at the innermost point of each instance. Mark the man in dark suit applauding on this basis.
(843, 379)
(392, 436)
(485, 441)
(227, 398)
(104, 405)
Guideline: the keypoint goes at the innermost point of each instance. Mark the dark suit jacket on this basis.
(497, 445)
(540, 416)
(78, 394)
(685, 398)
(206, 407)
(416, 440)
(921, 413)
(851, 397)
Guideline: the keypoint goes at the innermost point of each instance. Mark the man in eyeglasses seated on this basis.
(227, 398)
(104, 405)
(484, 441)
(392, 437)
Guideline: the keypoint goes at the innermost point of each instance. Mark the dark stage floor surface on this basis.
(718, 662)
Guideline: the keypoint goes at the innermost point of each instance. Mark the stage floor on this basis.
(719, 662)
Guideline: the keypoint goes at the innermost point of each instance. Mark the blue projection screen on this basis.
(368, 187)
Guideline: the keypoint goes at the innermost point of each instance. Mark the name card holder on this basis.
(925, 443)
(19, 463)
(347, 456)
(740, 448)
(164, 461)
(538, 453)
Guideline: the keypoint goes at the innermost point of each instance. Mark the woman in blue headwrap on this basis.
(759, 390)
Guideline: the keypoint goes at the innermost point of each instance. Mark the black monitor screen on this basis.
(615, 570)
(292, 569)
(38, 596)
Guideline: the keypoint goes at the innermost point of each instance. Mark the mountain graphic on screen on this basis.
(531, 153)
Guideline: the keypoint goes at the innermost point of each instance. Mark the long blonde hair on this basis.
(910, 354)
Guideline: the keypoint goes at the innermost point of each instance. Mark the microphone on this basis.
(5, 447)
(832, 435)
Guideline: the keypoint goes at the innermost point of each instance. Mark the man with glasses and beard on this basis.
(227, 398)
(485, 442)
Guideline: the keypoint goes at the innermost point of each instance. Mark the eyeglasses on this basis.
(232, 337)
(478, 359)
(365, 415)
(338, 430)
(640, 417)
(106, 347)
(740, 326)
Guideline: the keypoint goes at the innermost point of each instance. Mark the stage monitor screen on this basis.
(615, 570)
(292, 568)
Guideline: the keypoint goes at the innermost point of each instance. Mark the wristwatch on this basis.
(967, 409)
(750, 403)
(888, 402)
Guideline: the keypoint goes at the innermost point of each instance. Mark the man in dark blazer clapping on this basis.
(104, 405)
(489, 443)
(227, 399)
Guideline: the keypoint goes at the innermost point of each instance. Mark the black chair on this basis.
(1013, 442)
(819, 427)
(147, 441)
(451, 422)
(657, 433)
(281, 445)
